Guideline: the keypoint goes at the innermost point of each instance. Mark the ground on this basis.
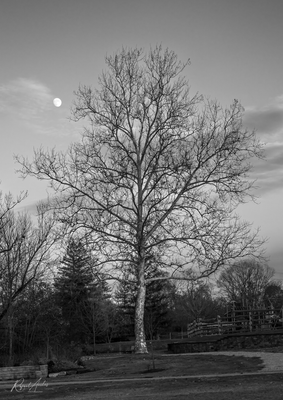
(194, 376)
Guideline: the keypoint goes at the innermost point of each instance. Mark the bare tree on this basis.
(7, 204)
(196, 299)
(246, 283)
(158, 173)
(25, 253)
(273, 296)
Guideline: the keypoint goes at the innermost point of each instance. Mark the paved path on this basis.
(9, 384)
(272, 361)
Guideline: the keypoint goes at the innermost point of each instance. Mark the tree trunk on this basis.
(140, 342)
(47, 346)
(93, 331)
(11, 339)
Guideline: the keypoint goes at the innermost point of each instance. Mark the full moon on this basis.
(57, 102)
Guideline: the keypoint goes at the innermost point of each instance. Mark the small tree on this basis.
(50, 326)
(114, 322)
(39, 319)
(95, 311)
(158, 173)
(197, 301)
(246, 283)
(193, 300)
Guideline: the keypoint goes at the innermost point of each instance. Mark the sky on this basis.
(48, 48)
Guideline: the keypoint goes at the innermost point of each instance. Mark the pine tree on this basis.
(73, 285)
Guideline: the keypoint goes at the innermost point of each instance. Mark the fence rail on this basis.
(237, 320)
(172, 336)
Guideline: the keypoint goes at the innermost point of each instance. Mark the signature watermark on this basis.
(21, 386)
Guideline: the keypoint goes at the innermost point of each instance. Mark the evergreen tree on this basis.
(73, 286)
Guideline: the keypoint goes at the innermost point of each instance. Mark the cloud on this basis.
(266, 120)
(276, 255)
(268, 123)
(29, 103)
(30, 207)
(25, 98)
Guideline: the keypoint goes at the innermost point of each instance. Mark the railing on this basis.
(172, 336)
(237, 320)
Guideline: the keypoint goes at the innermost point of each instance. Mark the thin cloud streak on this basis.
(30, 102)
(268, 123)
(25, 97)
(266, 120)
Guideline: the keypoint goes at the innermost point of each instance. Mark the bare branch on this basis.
(158, 173)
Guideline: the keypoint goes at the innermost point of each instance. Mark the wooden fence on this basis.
(237, 320)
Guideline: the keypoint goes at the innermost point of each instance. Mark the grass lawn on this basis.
(129, 376)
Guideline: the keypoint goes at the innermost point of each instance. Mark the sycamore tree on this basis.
(157, 174)
(157, 300)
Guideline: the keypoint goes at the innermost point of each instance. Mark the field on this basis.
(132, 376)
